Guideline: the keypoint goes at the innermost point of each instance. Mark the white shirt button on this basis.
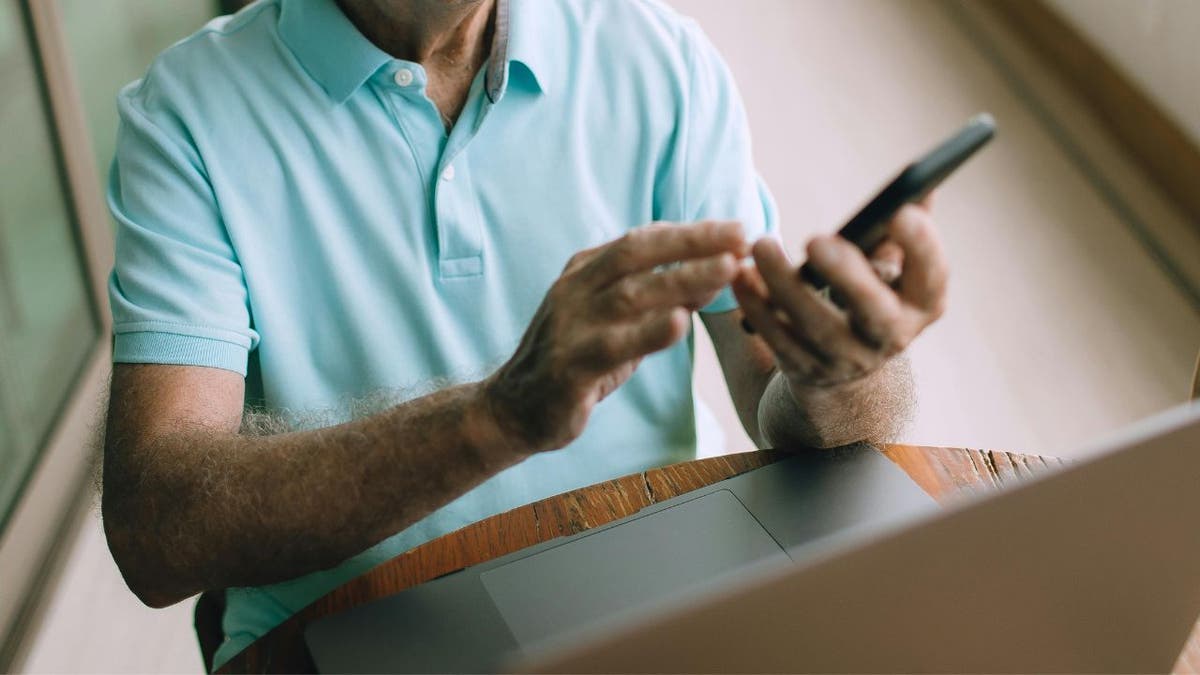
(403, 77)
(448, 173)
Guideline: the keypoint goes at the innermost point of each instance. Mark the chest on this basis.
(378, 185)
(365, 229)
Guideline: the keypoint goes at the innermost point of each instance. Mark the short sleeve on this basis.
(719, 179)
(177, 290)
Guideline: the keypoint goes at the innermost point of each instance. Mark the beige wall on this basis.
(1155, 42)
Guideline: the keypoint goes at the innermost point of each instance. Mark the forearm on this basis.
(190, 504)
(872, 408)
(220, 509)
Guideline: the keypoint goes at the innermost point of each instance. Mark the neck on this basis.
(430, 32)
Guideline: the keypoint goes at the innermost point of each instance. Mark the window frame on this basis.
(51, 503)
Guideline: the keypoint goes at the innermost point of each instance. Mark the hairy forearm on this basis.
(191, 504)
(195, 509)
(872, 409)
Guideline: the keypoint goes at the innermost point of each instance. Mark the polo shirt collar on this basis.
(328, 45)
(529, 42)
(340, 58)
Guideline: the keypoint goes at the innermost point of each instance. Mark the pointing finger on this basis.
(647, 247)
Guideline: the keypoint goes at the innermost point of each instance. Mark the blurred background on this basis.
(1074, 241)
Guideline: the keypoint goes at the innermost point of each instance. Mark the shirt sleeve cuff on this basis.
(179, 350)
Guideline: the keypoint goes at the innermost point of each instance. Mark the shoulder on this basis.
(642, 27)
(643, 43)
(208, 65)
(651, 16)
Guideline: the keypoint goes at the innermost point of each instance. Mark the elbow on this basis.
(140, 566)
(151, 594)
(155, 598)
(791, 428)
(785, 425)
(796, 431)
(871, 409)
(797, 436)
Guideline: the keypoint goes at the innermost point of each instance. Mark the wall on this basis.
(1155, 43)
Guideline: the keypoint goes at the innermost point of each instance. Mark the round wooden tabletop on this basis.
(942, 472)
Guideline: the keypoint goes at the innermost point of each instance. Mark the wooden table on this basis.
(942, 472)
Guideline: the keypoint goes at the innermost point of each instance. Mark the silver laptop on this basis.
(1095, 568)
(475, 619)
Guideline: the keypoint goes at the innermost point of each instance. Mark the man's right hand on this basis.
(611, 306)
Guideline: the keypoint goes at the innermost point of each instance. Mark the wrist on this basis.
(489, 428)
(510, 417)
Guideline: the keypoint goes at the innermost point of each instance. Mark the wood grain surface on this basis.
(942, 472)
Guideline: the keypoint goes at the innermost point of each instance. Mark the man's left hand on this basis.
(882, 303)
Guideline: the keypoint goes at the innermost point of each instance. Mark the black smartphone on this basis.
(868, 228)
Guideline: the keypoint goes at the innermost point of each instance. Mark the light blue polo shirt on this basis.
(290, 206)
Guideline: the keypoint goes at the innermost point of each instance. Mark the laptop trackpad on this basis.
(621, 568)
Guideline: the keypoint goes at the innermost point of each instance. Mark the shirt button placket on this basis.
(460, 226)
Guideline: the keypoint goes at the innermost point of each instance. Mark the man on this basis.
(321, 201)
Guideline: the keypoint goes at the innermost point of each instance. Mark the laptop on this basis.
(1094, 567)
(476, 619)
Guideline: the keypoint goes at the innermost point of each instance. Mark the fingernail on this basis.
(887, 270)
(747, 327)
(907, 222)
(726, 265)
(765, 246)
